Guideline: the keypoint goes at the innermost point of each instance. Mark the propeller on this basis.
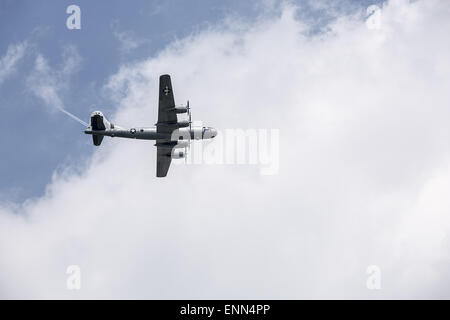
(189, 115)
(190, 128)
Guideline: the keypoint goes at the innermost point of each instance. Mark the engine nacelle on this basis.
(178, 154)
(183, 124)
(179, 109)
(197, 133)
(182, 144)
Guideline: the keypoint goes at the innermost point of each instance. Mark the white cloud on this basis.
(8, 62)
(45, 83)
(363, 173)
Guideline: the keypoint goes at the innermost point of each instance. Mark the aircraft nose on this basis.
(213, 132)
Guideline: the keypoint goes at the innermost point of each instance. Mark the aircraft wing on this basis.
(167, 116)
(163, 159)
(167, 121)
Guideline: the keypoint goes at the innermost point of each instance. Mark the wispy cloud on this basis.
(128, 40)
(8, 62)
(49, 84)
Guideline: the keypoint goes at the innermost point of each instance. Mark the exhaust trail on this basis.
(73, 116)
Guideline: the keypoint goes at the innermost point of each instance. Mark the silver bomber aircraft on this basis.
(172, 135)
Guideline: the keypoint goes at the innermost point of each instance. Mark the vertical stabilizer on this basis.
(98, 123)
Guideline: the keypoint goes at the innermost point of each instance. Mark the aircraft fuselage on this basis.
(150, 133)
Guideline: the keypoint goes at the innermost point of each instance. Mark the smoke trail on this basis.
(73, 116)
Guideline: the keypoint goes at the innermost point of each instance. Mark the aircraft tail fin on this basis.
(99, 123)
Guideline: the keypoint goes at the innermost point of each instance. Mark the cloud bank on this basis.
(364, 172)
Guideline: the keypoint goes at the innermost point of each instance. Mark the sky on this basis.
(113, 33)
(360, 101)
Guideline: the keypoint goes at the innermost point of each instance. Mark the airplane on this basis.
(172, 136)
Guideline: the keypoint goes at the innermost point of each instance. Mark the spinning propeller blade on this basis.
(190, 128)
